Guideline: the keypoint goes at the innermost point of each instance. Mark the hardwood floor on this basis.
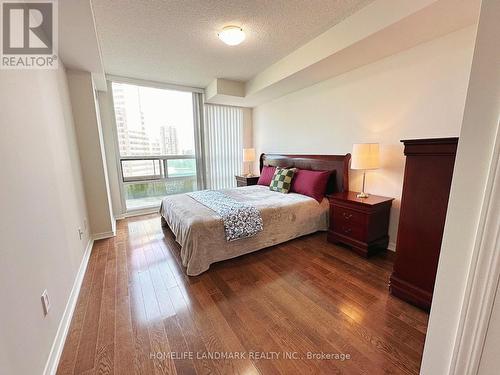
(138, 313)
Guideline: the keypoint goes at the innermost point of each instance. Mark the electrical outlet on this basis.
(80, 233)
(45, 302)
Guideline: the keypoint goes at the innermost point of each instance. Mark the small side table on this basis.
(246, 181)
(361, 223)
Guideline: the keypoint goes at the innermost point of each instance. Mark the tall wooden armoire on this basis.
(426, 189)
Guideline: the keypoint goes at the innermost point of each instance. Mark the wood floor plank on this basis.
(85, 359)
(105, 360)
(191, 333)
(163, 279)
(124, 339)
(68, 356)
(143, 364)
(157, 336)
(138, 313)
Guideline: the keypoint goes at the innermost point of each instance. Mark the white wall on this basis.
(42, 205)
(247, 128)
(418, 93)
(92, 154)
(462, 232)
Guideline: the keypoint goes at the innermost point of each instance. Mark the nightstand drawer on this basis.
(350, 230)
(342, 215)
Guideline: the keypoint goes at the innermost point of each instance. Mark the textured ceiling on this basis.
(176, 41)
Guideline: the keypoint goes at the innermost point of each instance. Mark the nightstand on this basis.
(246, 181)
(361, 223)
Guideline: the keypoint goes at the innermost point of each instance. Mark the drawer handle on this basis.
(346, 215)
(346, 230)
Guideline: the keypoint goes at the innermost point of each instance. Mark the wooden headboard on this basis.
(339, 180)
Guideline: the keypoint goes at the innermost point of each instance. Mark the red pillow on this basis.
(310, 183)
(266, 175)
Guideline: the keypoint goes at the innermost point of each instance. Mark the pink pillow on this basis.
(266, 175)
(310, 183)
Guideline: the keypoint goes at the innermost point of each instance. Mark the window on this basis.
(163, 147)
(156, 142)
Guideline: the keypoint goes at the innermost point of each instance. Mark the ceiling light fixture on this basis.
(232, 35)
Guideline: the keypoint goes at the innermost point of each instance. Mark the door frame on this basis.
(483, 279)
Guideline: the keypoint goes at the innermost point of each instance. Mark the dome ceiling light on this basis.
(232, 35)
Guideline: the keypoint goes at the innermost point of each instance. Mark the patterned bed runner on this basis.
(240, 220)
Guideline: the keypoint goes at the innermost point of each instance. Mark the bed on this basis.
(200, 232)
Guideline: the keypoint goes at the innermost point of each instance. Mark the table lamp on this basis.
(365, 156)
(248, 157)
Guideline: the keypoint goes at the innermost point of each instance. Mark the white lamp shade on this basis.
(365, 156)
(248, 154)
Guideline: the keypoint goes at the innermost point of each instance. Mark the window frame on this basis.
(162, 176)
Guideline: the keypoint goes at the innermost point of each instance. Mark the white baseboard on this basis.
(62, 330)
(103, 235)
(391, 246)
(145, 211)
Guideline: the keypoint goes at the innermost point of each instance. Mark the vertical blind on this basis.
(223, 145)
(199, 144)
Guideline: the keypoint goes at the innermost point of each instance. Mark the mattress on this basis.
(200, 231)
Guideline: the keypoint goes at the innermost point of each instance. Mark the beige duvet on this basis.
(200, 231)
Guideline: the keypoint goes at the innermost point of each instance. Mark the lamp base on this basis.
(362, 195)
